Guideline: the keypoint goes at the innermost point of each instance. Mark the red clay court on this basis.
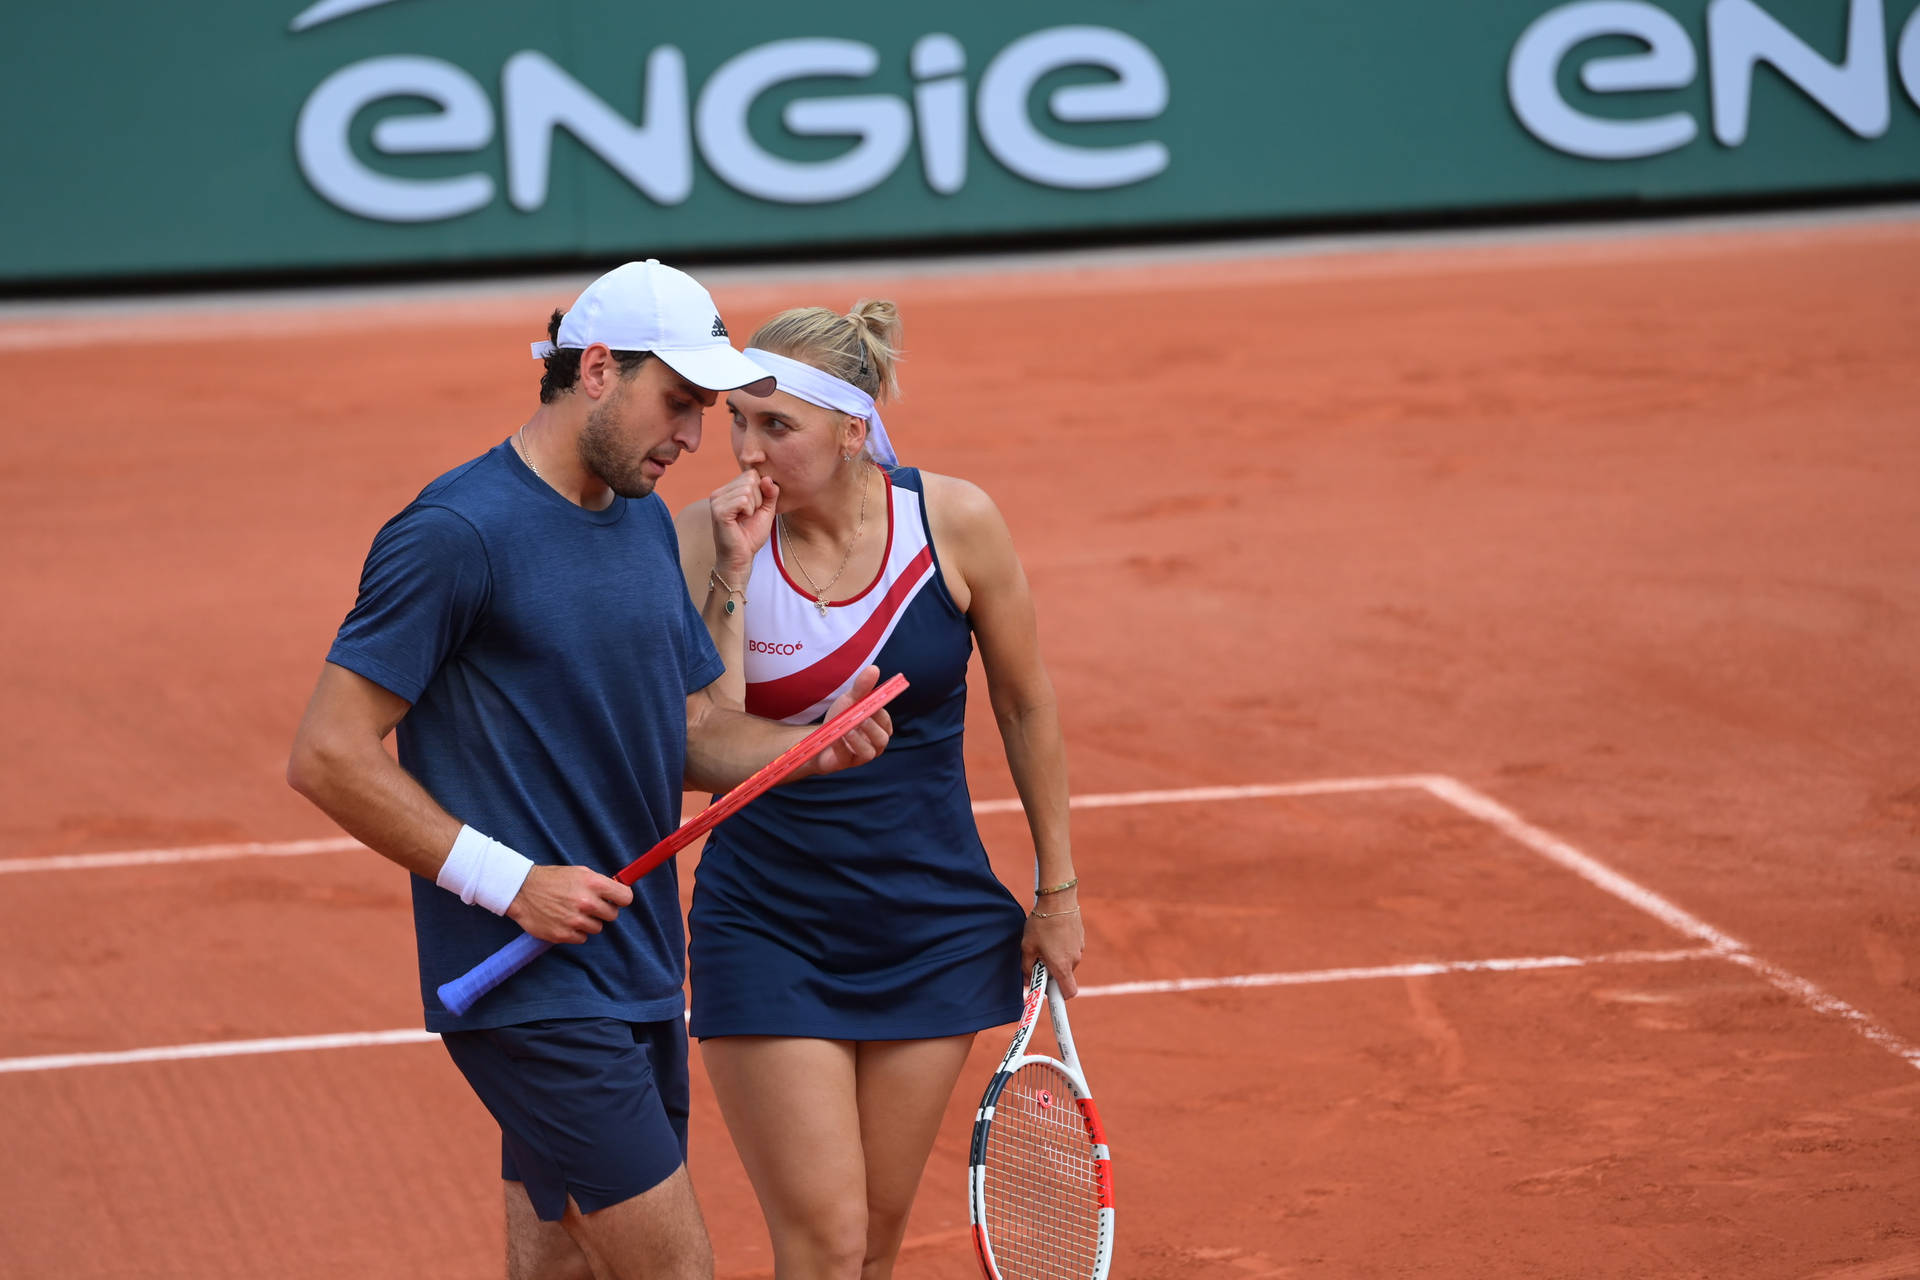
(1489, 672)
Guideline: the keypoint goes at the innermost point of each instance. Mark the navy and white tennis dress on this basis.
(859, 905)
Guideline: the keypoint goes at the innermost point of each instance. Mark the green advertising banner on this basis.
(243, 135)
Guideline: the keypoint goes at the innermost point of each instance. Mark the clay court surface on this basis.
(1576, 584)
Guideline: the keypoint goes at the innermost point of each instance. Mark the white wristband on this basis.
(483, 870)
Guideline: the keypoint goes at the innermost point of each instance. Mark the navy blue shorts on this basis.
(591, 1108)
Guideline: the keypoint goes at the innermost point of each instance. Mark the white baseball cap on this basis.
(645, 306)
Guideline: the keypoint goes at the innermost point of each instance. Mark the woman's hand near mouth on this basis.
(742, 510)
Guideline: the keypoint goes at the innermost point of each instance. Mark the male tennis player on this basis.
(524, 625)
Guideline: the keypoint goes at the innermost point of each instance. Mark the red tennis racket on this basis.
(460, 994)
(1039, 1185)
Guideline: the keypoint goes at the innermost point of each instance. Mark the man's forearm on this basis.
(726, 747)
(376, 802)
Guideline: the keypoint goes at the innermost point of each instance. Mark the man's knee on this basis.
(568, 1265)
(656, 1235)
(690, 1259)
(539, 1250)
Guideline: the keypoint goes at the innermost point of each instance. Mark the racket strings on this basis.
(1041, 1193)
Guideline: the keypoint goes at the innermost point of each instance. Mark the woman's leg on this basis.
(790, 1105)
(903, 1087)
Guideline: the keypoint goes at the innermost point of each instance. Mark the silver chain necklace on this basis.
(526, 456)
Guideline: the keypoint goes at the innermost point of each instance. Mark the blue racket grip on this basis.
(460, 994)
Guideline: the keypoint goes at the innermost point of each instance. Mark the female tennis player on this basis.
(848, 934)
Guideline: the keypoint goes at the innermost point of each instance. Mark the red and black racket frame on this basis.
(1039, 987)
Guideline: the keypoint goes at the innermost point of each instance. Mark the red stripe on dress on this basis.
(791, 694)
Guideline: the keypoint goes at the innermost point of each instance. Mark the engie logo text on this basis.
(656, 152)
(1740, 37)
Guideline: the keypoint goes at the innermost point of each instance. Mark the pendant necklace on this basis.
(820, 592)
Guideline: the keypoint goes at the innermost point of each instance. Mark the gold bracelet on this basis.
(1048, 915)
(715, 580)
(1062, 887)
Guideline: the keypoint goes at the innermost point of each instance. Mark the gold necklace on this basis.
(526, 455)
(820, 593)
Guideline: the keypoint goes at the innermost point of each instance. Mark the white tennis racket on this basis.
(1039, 1185)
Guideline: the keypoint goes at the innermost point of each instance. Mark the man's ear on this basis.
(597, 370)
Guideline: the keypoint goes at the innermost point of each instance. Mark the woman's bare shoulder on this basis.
(692, 518)
(694, 527)
(961, 503)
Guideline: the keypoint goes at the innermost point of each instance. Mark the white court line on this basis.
(163, 857)
(217, 1049)
(343, 844)
(1556, 850)
(1824, 1002)
(1448, 790)
(1421, 969)
(1602, 877)
(1204, 795)
(362, 1039)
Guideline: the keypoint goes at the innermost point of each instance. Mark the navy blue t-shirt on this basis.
(548, 652)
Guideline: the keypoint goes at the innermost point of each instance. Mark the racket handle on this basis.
(460, 994)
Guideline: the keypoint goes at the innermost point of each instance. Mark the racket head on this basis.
(1040, 1193)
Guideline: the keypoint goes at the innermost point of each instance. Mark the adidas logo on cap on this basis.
(647, 306)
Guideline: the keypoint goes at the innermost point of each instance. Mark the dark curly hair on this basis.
(563, 363)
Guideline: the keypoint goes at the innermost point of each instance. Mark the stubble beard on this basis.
(605, 453)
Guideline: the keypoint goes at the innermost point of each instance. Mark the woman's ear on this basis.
(854, 438)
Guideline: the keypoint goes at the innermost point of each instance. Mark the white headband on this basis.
(817, 386)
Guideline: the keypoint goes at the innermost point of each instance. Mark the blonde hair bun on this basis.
(861, 347)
